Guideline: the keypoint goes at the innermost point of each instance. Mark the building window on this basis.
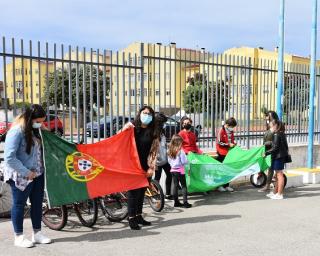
(37, 84)
(132, 92)
(150, 77)
(145, 76)
(126, 93)
(145, 92)
(168, 93)
(157, 92)
(156, 76)
(36, 71)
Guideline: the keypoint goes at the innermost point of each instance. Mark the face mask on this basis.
(230, 129)
(145, 119)
(187, 126)
(268, 121)
(36, 125)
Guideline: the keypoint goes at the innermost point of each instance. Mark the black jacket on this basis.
(279, 147)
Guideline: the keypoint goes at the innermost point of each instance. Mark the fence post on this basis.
(142, 76)
(312, 83)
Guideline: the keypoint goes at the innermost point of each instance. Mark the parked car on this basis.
(172, 126)
(49, 123)
(95, 126)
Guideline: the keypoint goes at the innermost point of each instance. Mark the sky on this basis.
(106, 24)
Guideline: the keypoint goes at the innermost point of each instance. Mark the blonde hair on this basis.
(175, 146)
(19, 121)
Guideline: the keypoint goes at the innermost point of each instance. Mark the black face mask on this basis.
(187, 126)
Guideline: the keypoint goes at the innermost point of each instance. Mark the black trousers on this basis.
(135, 201)
(220, 158)
(166, 169)
(178, 177)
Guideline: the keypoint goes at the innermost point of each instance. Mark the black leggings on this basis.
(166, 169)
(135, 201)
(178, 177)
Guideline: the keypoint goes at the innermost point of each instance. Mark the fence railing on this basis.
(90, 94)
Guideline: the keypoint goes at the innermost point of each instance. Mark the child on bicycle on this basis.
(177, 160)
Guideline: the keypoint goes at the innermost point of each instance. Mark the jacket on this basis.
(15, 155)
(222, 144)
(279, 147)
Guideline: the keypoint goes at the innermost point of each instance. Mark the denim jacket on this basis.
(15, 155)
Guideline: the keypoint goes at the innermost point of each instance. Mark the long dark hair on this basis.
(161, 119)
(34, 112)
(272, 115)
(152, 130)
(280, 125)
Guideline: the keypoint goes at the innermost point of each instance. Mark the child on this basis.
(225, 141)
(279, 154)
(188, 136)
(177, 160)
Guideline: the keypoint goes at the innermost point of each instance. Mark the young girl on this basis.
(279, 153)
(24, 172)
(188, 136)
(177, 160)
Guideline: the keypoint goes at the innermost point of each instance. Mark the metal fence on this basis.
(93, 92)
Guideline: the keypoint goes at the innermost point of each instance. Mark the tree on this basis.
(200, 93)
(58, 90)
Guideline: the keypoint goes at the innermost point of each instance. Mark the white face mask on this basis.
(36, 125)
(230, 129)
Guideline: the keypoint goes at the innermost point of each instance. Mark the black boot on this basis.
(142, 221)
(187, 205)
(177, 204)
(133, 223)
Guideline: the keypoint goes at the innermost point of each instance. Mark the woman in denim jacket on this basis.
(24, 172)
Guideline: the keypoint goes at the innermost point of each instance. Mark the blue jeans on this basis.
(35, 191)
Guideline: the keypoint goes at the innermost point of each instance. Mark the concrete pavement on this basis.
(242, 223)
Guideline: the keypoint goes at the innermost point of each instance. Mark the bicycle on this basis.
(259, 180)
(56, 217)
(155, 196)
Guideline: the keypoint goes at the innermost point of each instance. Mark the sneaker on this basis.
(271, 194)
(222, 189)
(264, 189)
(168, 197)
(39, 238)
(177, 204)
(142, 221)
(133, 223)
(187, 205)
(20, 241)
(229, 189)
(277, 197)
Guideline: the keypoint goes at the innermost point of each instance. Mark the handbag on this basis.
(288, 159)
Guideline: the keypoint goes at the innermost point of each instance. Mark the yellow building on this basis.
(29, 82)
(164, 77)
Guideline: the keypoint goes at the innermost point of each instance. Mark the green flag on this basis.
(204, 173)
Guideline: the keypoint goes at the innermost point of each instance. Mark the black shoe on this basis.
(142, 221)
(133, 223)
(177, 204)
(169, 197)
(187, 205)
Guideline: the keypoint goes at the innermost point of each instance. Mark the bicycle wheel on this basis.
(87, 212)
(258, 180)
(115, 206)
(5, 200)
(155, 196)
(54, 218)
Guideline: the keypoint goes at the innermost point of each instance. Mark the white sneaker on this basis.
(271, 194)
(277, 197)
(229, 189)
(222, 189)
(20, 241)
(40, 239)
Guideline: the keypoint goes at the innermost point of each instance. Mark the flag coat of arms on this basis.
(78, 172)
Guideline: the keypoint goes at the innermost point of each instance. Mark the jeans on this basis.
(166, 169)
(34, 191)
(135, 201)
(178, 177)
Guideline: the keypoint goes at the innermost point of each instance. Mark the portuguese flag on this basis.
(78, 172)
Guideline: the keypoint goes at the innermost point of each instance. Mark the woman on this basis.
(189, 137)
(147, 141)
(267, 142)
(279, 154)
(24, 172)
(162, 160)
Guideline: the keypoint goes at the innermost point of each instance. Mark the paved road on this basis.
(241, 223)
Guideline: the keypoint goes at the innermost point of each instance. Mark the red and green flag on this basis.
(78, 172)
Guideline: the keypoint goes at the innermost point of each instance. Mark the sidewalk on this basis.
(243, 223)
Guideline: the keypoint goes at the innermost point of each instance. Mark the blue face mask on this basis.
(145, 119)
